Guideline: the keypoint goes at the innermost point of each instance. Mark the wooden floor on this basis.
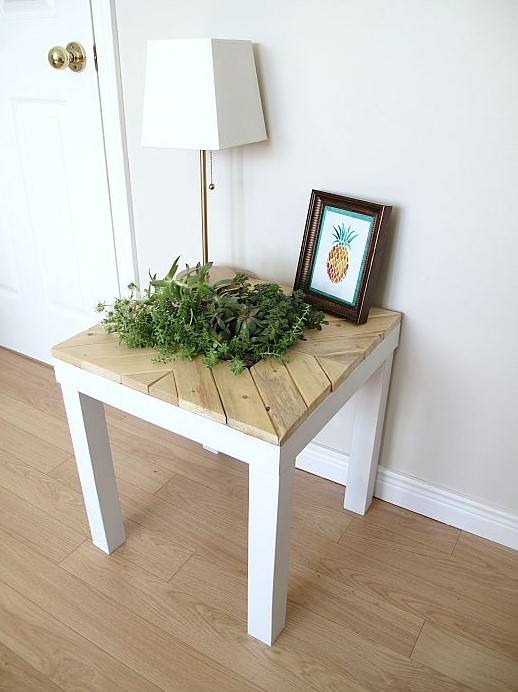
(389, 601)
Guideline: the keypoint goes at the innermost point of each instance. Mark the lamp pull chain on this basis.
(211, 184)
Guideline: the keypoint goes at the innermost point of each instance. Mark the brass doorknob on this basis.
(73, 57)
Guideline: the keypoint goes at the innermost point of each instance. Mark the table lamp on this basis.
(201, 94)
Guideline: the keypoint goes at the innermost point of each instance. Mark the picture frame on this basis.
(341, 253)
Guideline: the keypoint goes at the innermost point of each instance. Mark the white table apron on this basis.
(270, 466)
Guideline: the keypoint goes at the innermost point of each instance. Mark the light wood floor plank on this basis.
(193, 528)
(147, 650)
(359, 612)
(37, 529)
(376, 667)
(58, 652)
(360, 569)
(487, 555)
(143, 473)
(233, 507)
(149, 443)
(44, 425)
(362, 612)
(44, 492)
(215, 632)
(149, 475)
(30, 382)
(225, 476)
(18, 676)
(438, 568)
(474, 665)
(308, 515)
(325, 492)
(153, 551)
(160, 444)
(24, 446)
(189, 527)
(412, 526)
(217, 472)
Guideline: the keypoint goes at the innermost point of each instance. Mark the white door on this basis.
(57, 255)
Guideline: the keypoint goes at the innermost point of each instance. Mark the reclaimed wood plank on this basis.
(310, 379)
(339, 345)
(165, 389)
(108, 349)
(337, 369)
(117, 366)
(380, 322)
(142, 381)
(197, 391)
(387, 319)
(93, 335)
(105, 355)
(281, 397)
(244, 408)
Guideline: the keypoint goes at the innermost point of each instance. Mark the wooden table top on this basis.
(269, 401)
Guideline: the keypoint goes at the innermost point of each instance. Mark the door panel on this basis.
(8, 282)
(26, 9)
(45, 178)
(55, 218)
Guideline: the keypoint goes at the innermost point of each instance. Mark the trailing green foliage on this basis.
(228, 320)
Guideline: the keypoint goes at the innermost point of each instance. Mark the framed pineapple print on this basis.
(341, 253)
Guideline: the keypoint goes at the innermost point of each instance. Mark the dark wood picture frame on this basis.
(341, 253)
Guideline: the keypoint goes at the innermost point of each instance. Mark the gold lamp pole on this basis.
(204, 218)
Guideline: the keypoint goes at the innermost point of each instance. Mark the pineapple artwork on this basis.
(337, 263)
(340, 255)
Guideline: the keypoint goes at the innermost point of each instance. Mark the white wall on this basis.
(413, 104)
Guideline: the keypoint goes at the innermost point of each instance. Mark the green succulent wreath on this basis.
(229, 320)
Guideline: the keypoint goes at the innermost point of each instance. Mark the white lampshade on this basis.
(201, 94)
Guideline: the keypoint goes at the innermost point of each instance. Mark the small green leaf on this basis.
(228, 320)
(172, 271)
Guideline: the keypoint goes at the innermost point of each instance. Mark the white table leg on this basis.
(371, 401)
(269, 532)
(89, 434)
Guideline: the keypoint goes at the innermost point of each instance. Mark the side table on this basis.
(264, 417)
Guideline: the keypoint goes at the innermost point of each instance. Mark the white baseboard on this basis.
(325, 462)
(423, 498)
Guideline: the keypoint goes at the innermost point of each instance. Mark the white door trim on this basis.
(104, 20)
